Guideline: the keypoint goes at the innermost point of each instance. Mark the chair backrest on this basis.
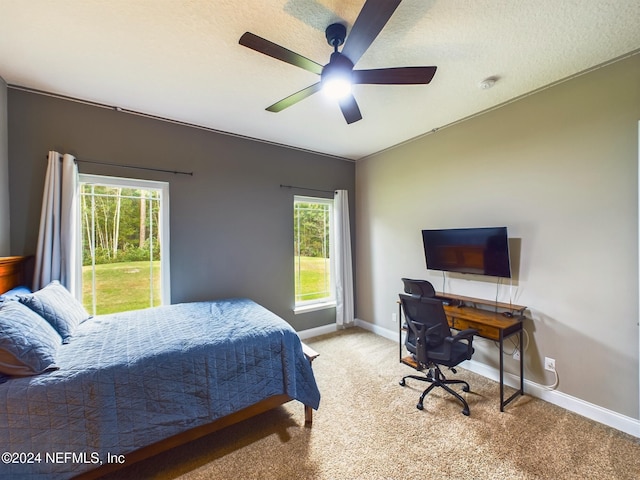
(418, 288)
(427, 312)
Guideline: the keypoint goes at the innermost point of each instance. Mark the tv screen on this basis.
(481, 251)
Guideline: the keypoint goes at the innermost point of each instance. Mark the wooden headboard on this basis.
(13, 272)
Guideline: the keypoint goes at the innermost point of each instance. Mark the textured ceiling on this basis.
(180, 59)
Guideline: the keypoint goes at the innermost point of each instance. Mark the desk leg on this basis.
(521, 390)
(521, 362)
(399, 332)
(502, 371)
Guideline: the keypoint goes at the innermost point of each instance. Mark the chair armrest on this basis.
(466, 334)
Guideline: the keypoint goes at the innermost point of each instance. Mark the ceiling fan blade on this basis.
(271, 49)
(394, 76)
(350, 109)
(371, 20)
(295, 98)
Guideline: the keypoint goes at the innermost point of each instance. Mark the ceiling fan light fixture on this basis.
(336, 77)
(336, 86)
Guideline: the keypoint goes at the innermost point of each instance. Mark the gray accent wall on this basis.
(5, 237)
(559, 168)
(231, 222)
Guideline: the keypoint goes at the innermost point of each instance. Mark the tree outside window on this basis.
(122, 240)
(312, 219)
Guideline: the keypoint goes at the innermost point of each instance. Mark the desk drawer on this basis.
(485, 331)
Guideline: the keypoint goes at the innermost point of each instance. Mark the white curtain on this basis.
(56, 253)
(344, 272)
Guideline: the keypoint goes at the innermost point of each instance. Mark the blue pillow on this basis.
(57, 306)
(28, 344)
(13, 293)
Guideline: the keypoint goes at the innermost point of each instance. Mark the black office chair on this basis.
(434, 345)
(415, 288)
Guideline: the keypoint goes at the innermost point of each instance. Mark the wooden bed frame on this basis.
(14, 272)
(187, 436)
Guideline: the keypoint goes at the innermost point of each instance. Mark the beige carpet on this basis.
(368, 427)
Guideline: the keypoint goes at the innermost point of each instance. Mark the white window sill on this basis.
(314, 307)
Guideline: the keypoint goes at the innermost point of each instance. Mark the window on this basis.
(124, 240)
(312, 220)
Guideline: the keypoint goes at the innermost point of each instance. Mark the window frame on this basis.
(324, 302)
(163, 225)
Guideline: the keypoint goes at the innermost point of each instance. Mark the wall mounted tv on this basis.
(481, 251)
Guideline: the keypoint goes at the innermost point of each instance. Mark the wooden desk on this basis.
(487, 318)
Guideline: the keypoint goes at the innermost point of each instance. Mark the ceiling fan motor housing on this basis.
(339, 65)
(336, 33)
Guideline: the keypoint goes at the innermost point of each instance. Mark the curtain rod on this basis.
(305, 188)
(175, 172)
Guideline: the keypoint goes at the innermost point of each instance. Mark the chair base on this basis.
(436, 378)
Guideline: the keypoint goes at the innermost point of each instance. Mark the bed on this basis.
(127, 386)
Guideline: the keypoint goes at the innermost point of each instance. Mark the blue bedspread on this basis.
(131, 379)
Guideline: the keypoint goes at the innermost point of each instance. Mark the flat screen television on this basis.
(480, 251)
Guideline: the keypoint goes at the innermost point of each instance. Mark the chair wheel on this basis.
(465, 411)
(402, 383)
(419, 406)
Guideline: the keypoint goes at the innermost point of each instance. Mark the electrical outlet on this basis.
(550, 364)
(394, 317)
(516, 354)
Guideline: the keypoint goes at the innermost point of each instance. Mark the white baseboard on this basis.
(594, 412)
(383, 332)
(317, 331)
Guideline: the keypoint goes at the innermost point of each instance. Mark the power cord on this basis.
(515, 345)
(556, 382)
(550, 387)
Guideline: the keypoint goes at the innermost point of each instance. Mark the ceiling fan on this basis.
(339, 74)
